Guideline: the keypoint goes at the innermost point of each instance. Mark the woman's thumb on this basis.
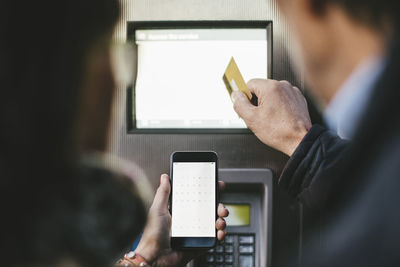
(161, 198)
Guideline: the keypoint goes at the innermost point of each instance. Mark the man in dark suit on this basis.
(349, 52)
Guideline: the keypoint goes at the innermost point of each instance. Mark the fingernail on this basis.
(234, 97)
(164, 178)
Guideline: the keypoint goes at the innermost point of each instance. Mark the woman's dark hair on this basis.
(43, 49)
(51, 205)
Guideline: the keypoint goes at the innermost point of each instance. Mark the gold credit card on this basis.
(234, 81)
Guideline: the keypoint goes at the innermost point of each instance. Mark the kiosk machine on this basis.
(179, 94)
(248, 196)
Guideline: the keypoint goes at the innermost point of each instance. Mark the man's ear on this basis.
(314, 9)
(311, 9)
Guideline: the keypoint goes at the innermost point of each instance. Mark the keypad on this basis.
(229, 248)
(228, 258)
(246, 239)
(238, 250)
(229, 239)
(220, 258)
(210, 258)
(246, 249)
(246, 261)
(219, 249)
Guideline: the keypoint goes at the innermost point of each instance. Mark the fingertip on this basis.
(226, 212)
(235, 96)
(164, 178)
(242, 96)
(242, 105)
(220, 224)
(164, 183)
(221, 235)
(222, 211)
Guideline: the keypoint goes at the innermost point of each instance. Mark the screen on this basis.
(239, 214)
(179, 77)
(193, 199)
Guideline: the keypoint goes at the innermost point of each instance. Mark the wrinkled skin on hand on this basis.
(281, 119)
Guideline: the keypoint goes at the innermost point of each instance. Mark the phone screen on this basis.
(193, 199)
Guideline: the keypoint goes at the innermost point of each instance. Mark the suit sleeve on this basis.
(309, 173)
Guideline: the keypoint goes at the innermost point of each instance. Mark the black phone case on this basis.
(182, 243)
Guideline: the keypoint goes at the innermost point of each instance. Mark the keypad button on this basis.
(229, 248)
(246, 239)
(246, 249)
(220, 258)
(228, 258)
(246, 261)
(210, 258)
(229, 239)
(211, 250)
(219, 249)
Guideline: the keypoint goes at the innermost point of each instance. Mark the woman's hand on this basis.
(154, 245)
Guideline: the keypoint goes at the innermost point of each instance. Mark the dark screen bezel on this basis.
(195, 242)
(132, 26)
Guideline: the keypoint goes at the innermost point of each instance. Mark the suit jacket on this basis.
(353, 189)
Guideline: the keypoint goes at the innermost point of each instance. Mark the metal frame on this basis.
(229, 24)
(236, 181)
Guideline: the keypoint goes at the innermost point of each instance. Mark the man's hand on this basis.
(155, 242)
(281, 119)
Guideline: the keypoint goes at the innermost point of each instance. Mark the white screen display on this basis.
(193, 199)
(179, 77)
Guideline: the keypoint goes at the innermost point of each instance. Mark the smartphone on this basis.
(194, 198)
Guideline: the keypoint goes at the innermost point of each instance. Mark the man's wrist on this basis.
(296, 141)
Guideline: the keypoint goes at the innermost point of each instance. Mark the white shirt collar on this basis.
(344, 112)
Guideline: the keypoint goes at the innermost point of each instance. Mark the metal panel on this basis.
(240, 181)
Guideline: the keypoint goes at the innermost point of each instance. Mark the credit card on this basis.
(234, 81)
